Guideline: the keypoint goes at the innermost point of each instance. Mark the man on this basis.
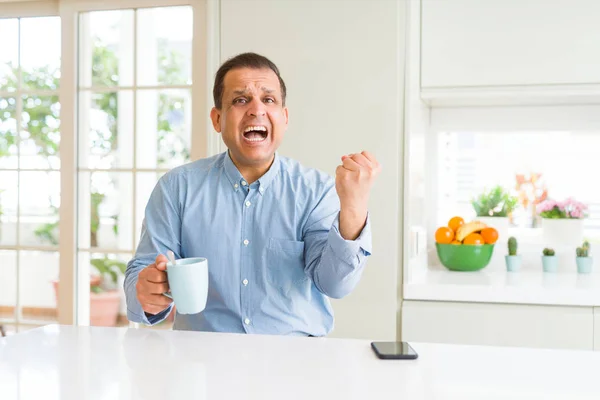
(280, 238)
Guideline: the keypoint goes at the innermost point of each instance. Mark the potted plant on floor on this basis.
(105, 297)
(583, 259)
(494, 207)
(513, 260)
(549, 260)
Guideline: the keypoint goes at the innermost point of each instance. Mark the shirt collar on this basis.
(237, 180)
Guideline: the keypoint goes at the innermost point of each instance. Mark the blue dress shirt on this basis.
(275, 253)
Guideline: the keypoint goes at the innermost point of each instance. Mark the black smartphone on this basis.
(394, 350)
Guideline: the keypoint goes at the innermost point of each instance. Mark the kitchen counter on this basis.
(68, 363)
(499, 286)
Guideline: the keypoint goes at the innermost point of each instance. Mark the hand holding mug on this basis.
(151, 284)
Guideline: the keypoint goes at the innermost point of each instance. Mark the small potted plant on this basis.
(549, 260)
(583, 259)
(562, 221)
(513, 260)
(494, 207)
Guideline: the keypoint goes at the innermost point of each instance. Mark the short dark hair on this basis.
(244, 60)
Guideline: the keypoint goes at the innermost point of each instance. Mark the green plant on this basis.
(496, 202)
(584, 250)
(512, 246)
(548, 252)
(107, 268)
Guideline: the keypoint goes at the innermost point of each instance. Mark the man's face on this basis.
(252, 118)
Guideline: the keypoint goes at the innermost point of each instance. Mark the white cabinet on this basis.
(499, 324)
(478, 43)
(597, 328)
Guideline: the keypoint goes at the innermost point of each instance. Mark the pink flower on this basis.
(546, 205)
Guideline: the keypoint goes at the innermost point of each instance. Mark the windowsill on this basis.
(566, 288)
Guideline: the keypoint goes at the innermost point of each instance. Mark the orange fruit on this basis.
(444, 235)
(489, 235)
(455, 223)
(474, 238)
(455, 242)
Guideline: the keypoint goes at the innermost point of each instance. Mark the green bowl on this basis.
(464, 257)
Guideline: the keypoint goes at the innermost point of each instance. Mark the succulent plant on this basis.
(584, 250)
(548, 252)
(512, 246)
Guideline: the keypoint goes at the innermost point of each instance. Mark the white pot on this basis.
(501, 224)
(562, 232)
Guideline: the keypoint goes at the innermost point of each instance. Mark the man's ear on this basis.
(285, 112)
(215, 116)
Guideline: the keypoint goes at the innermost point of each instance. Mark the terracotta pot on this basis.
(104, 307)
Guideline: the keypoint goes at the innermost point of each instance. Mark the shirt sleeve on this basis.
(334, 263)
(161, 231)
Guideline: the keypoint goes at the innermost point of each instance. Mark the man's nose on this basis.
(257, 108)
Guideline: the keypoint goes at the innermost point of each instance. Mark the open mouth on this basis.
(256, 133)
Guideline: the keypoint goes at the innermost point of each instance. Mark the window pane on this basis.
(164, 46)
(8, 207)
(8, 284)
(107, 297)
(106, 126)
(106, 48)
(39, 204)
(9, 56)
(8, 132)
(40, 134)
(106, 213)
(37, 294)
(40, 53)
(163, 128)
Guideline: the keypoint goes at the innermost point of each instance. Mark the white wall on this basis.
(343, 66)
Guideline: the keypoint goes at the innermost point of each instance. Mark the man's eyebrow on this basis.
(265, 89)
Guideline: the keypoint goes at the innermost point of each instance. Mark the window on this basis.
(471, 162)
(29, 170)
(91, 120)
(134, 125)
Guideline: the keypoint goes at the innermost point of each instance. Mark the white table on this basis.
(65, 362)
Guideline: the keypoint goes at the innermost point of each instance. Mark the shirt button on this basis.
(247, 321)
(244, 183)
(245, 282)
(236, 186)
(248, 204)
(246, 242)
(262, 190)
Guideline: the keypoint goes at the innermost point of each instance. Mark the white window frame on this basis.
(73, 305)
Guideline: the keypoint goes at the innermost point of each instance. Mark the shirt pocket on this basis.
(285, 264)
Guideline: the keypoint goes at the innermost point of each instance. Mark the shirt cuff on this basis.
(161, 316)
(349, 250)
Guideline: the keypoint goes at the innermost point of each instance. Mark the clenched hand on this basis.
(353, 182)
(151, 284)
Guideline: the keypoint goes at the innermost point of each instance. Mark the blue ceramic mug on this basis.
(188, 282)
